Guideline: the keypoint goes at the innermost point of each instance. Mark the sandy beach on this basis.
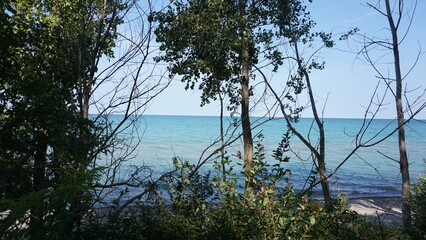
(385, 210)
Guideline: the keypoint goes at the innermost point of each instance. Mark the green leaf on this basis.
(265, 201)
(312, 220)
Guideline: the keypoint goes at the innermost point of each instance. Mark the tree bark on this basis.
(222, 137)
(246, 127)
(320, 156)
(325, 186)
(39, 178)
(403, 159)
(86, 102)
(245, 99)
(40, 166)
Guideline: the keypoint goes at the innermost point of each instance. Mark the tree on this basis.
(301, 79)
(395, 14)
(216, 44)
(50, 148)
(120, 90)
(296, 83)
(41, 148)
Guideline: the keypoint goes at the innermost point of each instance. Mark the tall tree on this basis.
(124, 85)
(298, 81)
(40, 121)
(395, 12)
(403, 158)
(50, 54)
(216, 44)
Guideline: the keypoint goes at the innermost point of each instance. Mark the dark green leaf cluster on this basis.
(203, 40)
(47, 54)
(200, 42)
(283, 147)
(188, 186)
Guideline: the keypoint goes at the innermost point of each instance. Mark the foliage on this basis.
(272, 214)
(46, 145)
(418, 208)
(188, 188)
(276, 212)
(53, 204)
(203, 40)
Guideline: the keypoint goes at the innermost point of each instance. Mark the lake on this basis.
(370, 172)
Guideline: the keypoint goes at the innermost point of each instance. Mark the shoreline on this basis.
(380, 210)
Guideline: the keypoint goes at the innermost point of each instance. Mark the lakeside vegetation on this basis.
(57, 164)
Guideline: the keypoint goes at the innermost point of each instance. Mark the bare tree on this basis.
(395, 13)
(118, 88)
(295, 85)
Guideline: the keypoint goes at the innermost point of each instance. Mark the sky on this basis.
(344, 88)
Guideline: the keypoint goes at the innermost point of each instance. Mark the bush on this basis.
(274, 213)
(214, 207)
(418, 208)
(287, 218)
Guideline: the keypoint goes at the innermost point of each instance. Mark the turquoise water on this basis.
(368, 173)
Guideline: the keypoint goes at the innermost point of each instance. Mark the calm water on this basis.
(366, 174)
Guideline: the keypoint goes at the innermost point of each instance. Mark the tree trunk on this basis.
(320, 156)
(40, 166)
(39, 177)
(403, 159)
(86, 97)
(325, 186)
(245, 99)
(247, 136)
(222, 137)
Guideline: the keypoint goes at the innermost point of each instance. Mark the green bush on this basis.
(286, 218)
(273, 213)
(418, 208)
(214, 207)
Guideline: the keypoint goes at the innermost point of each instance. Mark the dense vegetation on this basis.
(214, 209)
(57, 163)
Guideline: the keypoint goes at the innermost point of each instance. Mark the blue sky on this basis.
(347, 84)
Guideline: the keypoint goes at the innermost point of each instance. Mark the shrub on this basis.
(418, 208)
(274, 213)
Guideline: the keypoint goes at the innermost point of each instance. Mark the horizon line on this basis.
(195, 115)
